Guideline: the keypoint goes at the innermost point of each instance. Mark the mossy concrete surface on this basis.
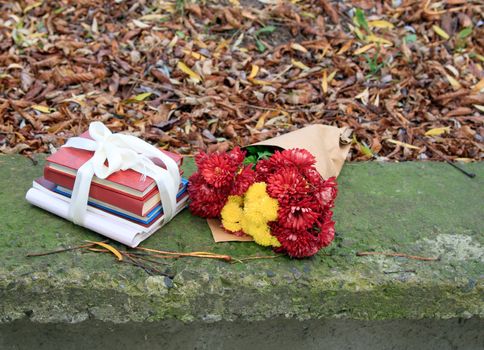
(425, 209)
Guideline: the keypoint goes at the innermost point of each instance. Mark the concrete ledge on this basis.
(274, 334)
(427, 209)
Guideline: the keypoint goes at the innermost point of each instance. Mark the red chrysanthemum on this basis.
(262, 170)
(217, 170)
(287, 183)
(299, 158)
(326, 229)
(200, 158)
(304, 243)
(206, 201)
(295, 243)
(313, 176)
(276, 162)
(324, 191)
(236, 156)
(327, 193)
(218, 175)
(299, 214)
(243, 180)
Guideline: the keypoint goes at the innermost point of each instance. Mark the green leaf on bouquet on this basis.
(264, 154)
(250, 160)
(256, 153)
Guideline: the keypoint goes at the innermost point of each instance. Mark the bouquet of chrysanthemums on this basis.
(276, 196)
(278, 192)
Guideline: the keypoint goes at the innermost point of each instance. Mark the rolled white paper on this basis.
(111, 226)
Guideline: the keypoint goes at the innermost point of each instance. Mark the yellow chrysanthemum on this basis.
(269, 207)
(256, 191)
(231, 226)
(259, 209)
(260, 232)
(236, 199)
(251, 213)
(232, 213)
(265, 207)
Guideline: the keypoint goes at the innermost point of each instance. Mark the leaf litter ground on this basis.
(407, 76)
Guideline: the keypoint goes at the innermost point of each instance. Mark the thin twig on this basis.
(134, 260)
(61, 250)
(98, 250)
(289, 110)
(446, 158)
(165, 256)
(149, 269)
(402, 271)
(134, 257)
(471, 175)
(149, 260)
(257, 257)
(207, 255)
(402, 255)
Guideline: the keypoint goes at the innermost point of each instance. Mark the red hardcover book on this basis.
(124, 189)
(138, 206)
(68, 160)
(125, 201)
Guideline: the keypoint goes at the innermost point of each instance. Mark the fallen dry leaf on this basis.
(437, 131)
(192, 76)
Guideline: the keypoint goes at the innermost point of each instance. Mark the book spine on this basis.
(100, 193)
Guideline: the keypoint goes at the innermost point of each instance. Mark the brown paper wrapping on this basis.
(323, 141)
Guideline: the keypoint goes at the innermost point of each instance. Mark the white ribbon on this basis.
(122, 152)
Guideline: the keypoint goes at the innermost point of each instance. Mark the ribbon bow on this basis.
(122, 152)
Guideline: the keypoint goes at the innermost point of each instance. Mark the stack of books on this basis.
(125, 206)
